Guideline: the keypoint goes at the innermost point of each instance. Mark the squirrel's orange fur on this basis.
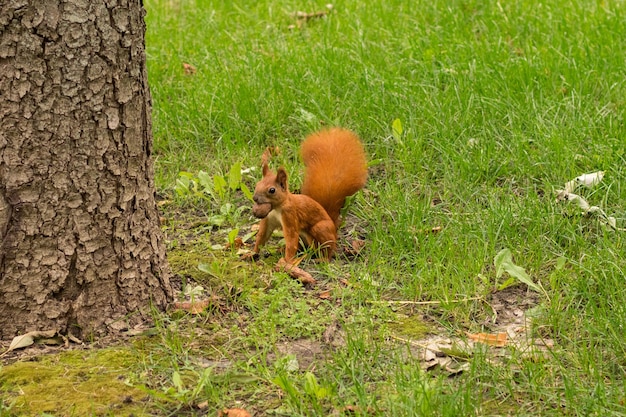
(336, 167)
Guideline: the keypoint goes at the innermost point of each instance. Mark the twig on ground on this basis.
(425, 303)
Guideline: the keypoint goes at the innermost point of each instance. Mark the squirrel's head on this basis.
(270, 192)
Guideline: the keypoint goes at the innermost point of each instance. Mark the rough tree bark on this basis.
(80, 246)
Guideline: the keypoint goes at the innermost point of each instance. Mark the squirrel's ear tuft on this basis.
(266, 169)
(281, 178)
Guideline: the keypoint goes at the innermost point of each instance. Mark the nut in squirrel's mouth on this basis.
(261, 210)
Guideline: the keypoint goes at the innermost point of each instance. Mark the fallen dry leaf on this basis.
(194, 307)
(304, 17)
(563, 195)
(237, 244)
(28, 339)
(189, 69)
(313, 15)
(233, 412)
(587, 180)
(325, 295)
(356, 246)
(491, 339)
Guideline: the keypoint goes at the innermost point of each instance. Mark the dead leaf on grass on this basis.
(28, 339)
(324, 295)
(356, 245)
(587, 180)
(491, 339)
(193, 307)
(189, 69)
(304, 17)
(233, 412)
(564, 195)
(440, 353)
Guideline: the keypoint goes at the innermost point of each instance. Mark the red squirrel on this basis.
(335, 168)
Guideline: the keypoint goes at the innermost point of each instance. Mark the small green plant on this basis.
(232, 235)
(313, 389)
(503, 261)
(215, 188)
(228, 213)
(188, 392)
(216, 192)
(303, 392)
(397, 130)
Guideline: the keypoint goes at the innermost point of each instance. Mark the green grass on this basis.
(500, 104)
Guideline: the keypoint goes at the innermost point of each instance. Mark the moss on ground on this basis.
(412, 327)
(73, 383)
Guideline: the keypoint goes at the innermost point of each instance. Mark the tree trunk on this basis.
(81, 250)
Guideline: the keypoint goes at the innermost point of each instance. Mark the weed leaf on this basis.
(220, 185)
(248, 236)
(246, 191)
(177, 381)
(231, 236)
(216, 220)
(234, 176)
(506, 284)
(205, 180)
(196, 291)
(396, 129)
(313, 388)
(503, 262)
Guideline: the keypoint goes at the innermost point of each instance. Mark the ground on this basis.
(234, 317)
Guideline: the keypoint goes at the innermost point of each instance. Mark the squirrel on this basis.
(335, 168)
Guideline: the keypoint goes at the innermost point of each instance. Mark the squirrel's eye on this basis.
(272, 190)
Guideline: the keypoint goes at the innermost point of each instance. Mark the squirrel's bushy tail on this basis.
(336, 167)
